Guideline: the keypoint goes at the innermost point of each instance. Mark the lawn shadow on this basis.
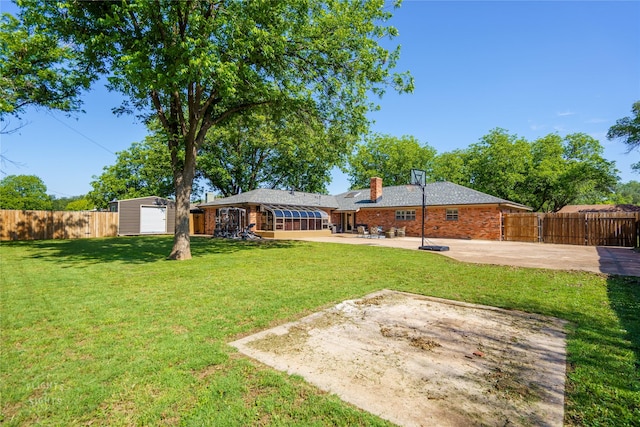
(137, 249)
(624, 297)
(622, 261)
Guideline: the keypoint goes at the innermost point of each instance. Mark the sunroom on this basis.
(293, 218)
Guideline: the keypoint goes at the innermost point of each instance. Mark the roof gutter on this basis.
(516, 205)
(346, 210)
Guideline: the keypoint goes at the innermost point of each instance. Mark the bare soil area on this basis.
(420, 361)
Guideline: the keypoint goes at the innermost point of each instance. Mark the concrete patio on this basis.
(595, 259)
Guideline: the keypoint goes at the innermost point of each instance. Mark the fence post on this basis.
(586, 229)
(637, 239)
(540, 231)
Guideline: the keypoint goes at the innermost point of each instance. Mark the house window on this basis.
(452, 214)
(405, 215)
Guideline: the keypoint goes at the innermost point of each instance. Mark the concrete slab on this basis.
(595, 259)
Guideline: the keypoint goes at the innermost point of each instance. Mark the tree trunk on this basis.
(183, 180)
(181, 242)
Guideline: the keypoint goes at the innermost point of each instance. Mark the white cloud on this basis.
(535, 126)
(566, 113)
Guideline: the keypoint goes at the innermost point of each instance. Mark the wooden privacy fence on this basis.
(42, 225)
(591, 229)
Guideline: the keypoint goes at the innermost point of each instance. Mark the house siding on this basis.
(129, 211)
(171, 218)
(129, 214)
(473, 222)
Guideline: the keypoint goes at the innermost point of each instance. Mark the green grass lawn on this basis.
(107, 332)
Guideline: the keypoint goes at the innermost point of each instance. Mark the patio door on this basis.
(347, 219)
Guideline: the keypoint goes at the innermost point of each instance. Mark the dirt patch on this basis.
(420, 361)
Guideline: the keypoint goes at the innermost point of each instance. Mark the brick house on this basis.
(452, 211)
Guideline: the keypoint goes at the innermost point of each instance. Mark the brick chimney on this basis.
(376, 189)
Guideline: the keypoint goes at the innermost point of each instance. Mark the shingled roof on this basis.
(276, 197)
(437, 194)
(599, 208)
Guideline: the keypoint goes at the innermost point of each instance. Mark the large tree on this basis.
(628, 129)
(628, 193)
(451, 166)
(144, 169)
(546, 174)
(194, 64)
(36, 70)
(390, 158)
(498, 164)
(567, 170)
(24, 192)
(71, 203)
(263, 148)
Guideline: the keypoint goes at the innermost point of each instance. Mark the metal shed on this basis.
(145, 215)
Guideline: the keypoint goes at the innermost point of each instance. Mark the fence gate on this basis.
(592, 229)
(566, 229)
(521, 227)
(612, 231)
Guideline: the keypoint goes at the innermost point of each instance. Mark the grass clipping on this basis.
(415, 360)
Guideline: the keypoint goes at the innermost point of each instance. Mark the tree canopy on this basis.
(24, 192)
(498, 164)
(451, 166)
(564, 170)
(251, 150)
(628, 193)
(195, 64)
(628, 130)
(390, 158)
(265, 148)
(546, 174)
(72, 203)
(36, 70)
(142, 170)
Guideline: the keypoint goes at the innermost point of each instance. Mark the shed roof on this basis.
(147, 199)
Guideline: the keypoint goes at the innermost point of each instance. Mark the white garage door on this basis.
(153, 219)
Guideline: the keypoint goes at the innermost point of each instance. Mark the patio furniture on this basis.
(362, 232)
(390, 233)
(375, 232)
(400, 231)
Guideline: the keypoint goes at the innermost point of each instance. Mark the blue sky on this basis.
(532, 68)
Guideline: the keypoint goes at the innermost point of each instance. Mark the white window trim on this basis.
(406, 215)
(452, 214)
